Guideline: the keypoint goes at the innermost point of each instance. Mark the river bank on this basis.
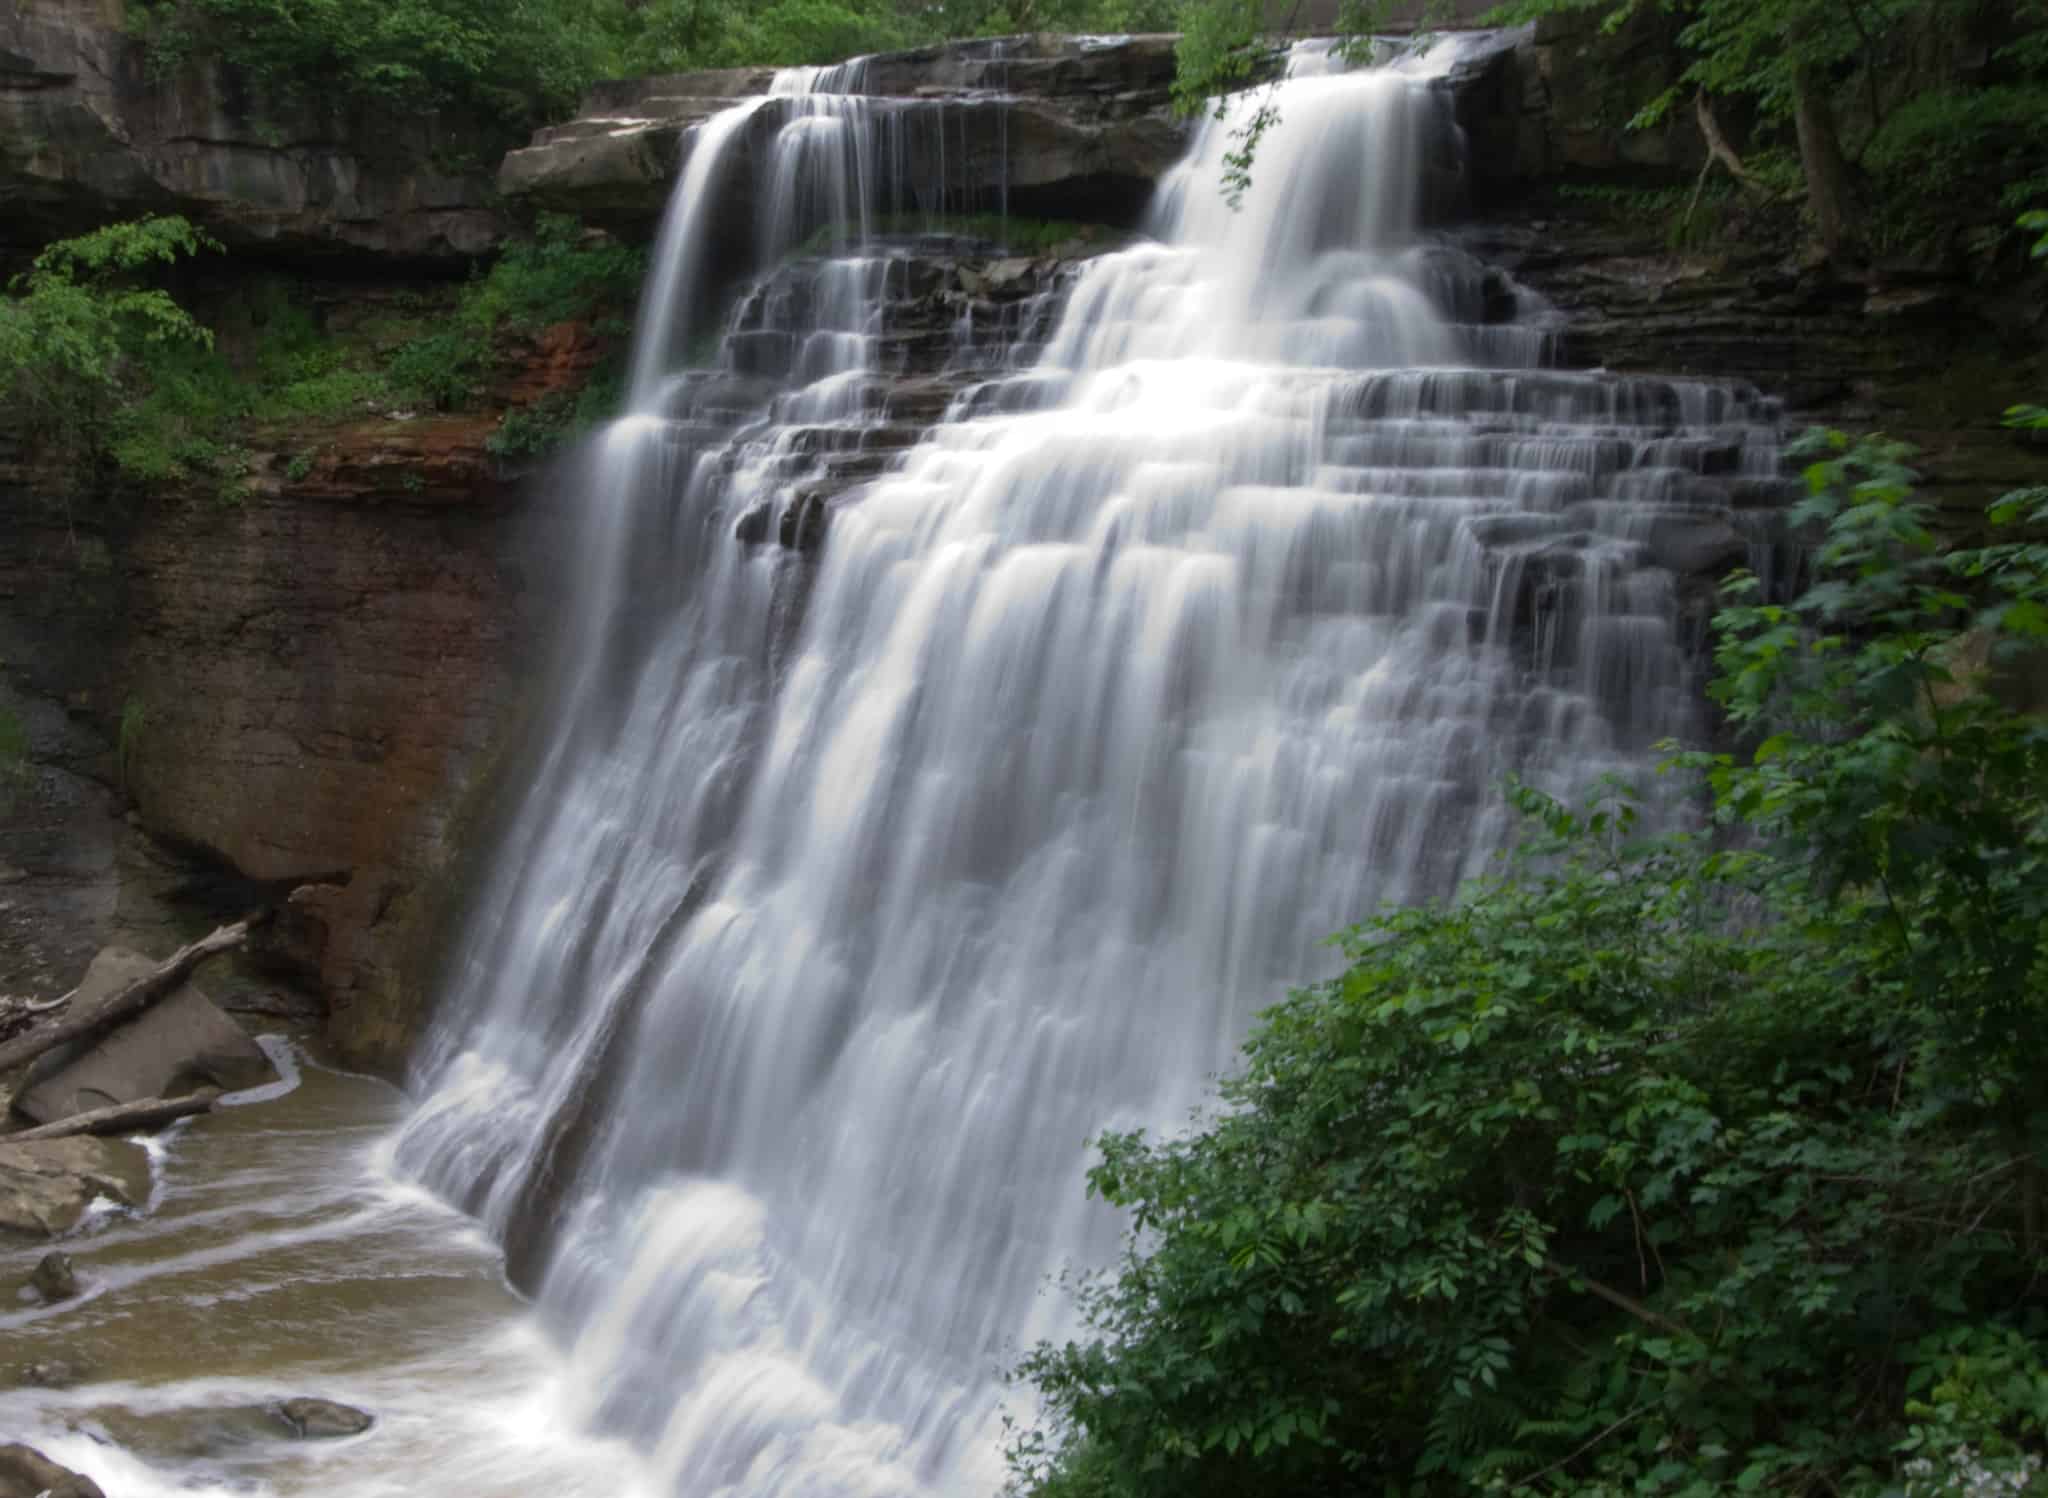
(277, 1257)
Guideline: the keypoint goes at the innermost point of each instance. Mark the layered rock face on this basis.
(289, 691)
(1043, 126)
(88, 136)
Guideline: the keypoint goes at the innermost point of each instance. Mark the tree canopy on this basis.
(518, 61)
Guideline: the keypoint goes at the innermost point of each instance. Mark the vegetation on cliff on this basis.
(515, 62)
(117, 381)
(1886, 122)
(1675, 1164)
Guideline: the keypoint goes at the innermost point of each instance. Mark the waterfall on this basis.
(852, 895)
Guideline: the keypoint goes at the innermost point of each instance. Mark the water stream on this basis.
(855, 891)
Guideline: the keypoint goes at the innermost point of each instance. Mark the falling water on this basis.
(852, 896)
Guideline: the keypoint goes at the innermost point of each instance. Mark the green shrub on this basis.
(1957, 139)
(81, 332)
(550, 423)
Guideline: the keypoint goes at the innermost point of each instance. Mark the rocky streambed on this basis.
(248, 1302)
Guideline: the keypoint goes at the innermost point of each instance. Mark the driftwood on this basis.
(1718, 150)
(120, 1005)
(147, 1113)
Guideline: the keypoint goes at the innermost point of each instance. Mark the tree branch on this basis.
(1623, 1302)
(147, 1113)
(133, 999)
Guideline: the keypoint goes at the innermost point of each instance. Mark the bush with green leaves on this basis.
(556, 274)
(504, 61)
(1675, 1164)
(81, 329)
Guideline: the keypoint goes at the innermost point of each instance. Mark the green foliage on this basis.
(128, 740)
(535, 431)
(558, 274)
(504, 59)
(2036, 222)
(514, 61)
(80, 330)
(1946, 139)
(1653, 1164)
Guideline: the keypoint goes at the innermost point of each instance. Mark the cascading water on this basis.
(844, 908)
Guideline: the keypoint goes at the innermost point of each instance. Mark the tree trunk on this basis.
(131, 1000)
(147, 1113)
(1829, 191)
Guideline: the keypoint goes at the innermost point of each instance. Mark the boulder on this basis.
(26, 1473)
(45, 1373)
(323, 1419)
(55, 1279)
(46, 1186)
(172, 1048)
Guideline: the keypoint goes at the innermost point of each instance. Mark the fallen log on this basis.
(147, 1113)
(131, 1000)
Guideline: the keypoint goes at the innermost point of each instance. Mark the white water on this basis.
(816, 953)
(276, 1256)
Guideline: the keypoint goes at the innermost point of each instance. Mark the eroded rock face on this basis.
(307, 680)
(87, 135)
(26, 1473)
(46, 1185)
(1054, 127)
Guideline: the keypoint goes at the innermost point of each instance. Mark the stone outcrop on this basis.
(288, 691)
(176, 1046)
(323, 1419)
(1052, 127)
(88, 135)
(55, 1277)
(46, 1186)
(27, 1473)
(1876, 348)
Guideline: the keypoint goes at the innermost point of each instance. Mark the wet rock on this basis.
(26, 1473)
(46, 1186)
(48, 1373)
(55, 1279)
(1703, 546)
(172, 1048)
(1054, 126)
(323, 1419)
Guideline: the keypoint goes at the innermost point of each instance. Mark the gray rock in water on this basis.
(45, 1186)
(323, 1419)
(26, 1473)
(174, 1047)
(46, 1373)
(1697, 546)
(54, 1278)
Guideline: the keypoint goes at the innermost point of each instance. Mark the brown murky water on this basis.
(277, 1258)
